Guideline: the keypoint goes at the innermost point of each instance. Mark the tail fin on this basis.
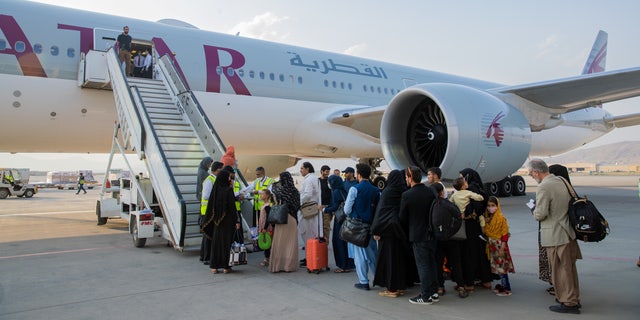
(598, 57)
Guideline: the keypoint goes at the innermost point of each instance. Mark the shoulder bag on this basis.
(355, 231)
(278, 214)
(309, 209)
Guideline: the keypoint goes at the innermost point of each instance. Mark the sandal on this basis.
(265, 262)
(469, 289)
(441, 291)
(498, 288)
(214, 271)
(462, 293)
(387, 293)
(551, 291)
(226, 271)
(338, 270)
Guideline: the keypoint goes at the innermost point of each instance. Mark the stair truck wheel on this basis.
(29, 193)
(101, 221)
(4, 193)
(138, 242)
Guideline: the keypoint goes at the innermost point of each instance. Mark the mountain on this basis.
(621, 153)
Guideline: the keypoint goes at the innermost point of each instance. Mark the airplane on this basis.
(278, 103)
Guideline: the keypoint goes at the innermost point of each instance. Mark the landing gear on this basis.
(378, 179)
(507, 187)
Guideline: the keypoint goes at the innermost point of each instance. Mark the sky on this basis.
(509, 42)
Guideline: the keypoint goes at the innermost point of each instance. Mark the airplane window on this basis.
(281, 77)
(3, 44)
(379, 91)
(219, 70)
(20, 47)
(54, 50)
(350, 86)
(341, 85)
(252, 74)
(230, 72)
(333, 84)
(364, 88)
(386, 91)
(299, 80)
(326, 83)
(71, 52)
(241, 73)
(373, 89)
(37, 48)
(261, 75)
(272, 76)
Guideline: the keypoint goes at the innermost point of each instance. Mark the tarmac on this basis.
(56, 263)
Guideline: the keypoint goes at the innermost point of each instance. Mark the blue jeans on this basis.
(425, 254)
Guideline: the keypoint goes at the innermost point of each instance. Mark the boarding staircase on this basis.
(161, 120)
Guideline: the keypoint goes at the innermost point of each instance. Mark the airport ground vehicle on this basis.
(11, 184)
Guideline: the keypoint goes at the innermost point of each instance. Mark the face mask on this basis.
(492, 210)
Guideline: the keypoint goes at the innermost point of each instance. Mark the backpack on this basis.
(445, 219)
(587, 222)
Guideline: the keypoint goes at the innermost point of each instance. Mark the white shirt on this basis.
(138, 61)
(310, 189)
(147, 61)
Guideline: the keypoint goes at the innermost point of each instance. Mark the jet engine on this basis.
(454, 127)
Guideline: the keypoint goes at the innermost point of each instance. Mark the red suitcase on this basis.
(317, 251)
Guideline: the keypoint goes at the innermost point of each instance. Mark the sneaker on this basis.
(561, 308)
(503, 293)
(420, 300)
(498, 288)
(362, 286)
(579, 305)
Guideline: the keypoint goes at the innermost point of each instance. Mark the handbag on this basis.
(355, 231)
(309, 209)
(461, 234)
(278, 214)
(339, 213)
(238, 252)
(264, 240)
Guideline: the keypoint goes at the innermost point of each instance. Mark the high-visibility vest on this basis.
(236, 189)
(259, 187)
(204, 202)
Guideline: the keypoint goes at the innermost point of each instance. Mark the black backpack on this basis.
(587, 222)
(445, 219)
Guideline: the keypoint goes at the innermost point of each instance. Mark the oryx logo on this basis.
(495, 130)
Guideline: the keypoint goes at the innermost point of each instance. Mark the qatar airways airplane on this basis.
(277, 102)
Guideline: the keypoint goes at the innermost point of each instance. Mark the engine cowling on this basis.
(454, 127)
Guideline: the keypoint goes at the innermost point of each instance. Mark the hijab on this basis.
(497, 226)
(221, 195)
(337, 185)
(386, 217)
(203, 172)
(287, 193)
(560, 171)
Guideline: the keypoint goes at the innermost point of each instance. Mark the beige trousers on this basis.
(564, 274)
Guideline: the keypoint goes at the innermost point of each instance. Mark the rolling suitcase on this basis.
(317, 251)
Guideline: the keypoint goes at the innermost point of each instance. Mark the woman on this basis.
(393, 262)
(475, 264)
(284, 244)
(340, 254)
(203, 173)
(221, 221)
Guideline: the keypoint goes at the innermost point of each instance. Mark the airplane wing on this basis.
(570, 94)
(366, 120)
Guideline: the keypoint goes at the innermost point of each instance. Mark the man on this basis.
(262, 182)
(325, 199)
(138, 63)
(557, 236)
(336, 172)
(124, 49)
(415, 211)
(308, 228)
(433, 176)
(81, 184)
(349, 178)
(207, 186)
(361, 203)
(146, 65)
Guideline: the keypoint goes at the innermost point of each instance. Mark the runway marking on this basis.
(42, 213)
(56, 252)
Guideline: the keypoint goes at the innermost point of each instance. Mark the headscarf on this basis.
(203, 172)
(560, 171)
(229, 157)
(497, 227)
(386, 220)
(475, 184)
(337, 185)
(218, 202)
(287, 193)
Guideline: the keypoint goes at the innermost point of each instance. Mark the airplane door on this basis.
(103, 39)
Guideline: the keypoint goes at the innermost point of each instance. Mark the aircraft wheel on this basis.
(505, 187)
(380, 182)
(493, 188)
(519, 186)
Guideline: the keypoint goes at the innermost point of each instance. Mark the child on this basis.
(462, 197)
(497, 230)
(267, 197)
